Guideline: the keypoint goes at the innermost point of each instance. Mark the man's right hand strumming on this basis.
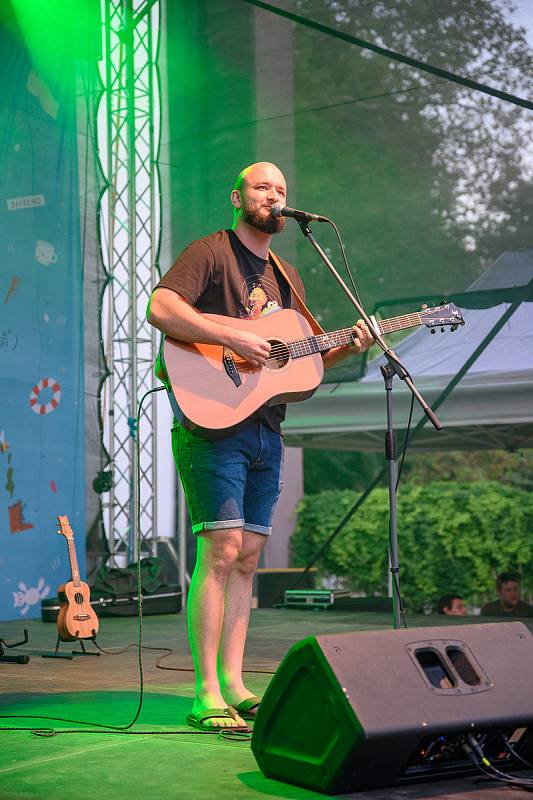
(175, 317)
(249, 346)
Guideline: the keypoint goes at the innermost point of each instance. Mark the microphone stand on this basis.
(394, 367)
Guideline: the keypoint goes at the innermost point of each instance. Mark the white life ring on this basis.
(41, 408)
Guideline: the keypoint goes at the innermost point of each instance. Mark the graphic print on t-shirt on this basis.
(259, 297)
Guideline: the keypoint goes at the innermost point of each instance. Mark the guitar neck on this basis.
(74, 569)
(325, 341)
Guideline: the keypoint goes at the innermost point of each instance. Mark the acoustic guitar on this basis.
(76, 618)
(216, 388)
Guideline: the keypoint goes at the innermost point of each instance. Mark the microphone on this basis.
(277, 210)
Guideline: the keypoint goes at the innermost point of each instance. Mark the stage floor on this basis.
(161, 765)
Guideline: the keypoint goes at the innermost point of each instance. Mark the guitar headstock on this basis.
(445, 315)
(64, 527)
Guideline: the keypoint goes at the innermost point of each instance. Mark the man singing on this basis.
(231, 478)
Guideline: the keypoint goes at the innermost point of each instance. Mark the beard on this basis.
(265, 222)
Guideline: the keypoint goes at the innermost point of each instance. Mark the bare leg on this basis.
(217, 554)
(236, 618)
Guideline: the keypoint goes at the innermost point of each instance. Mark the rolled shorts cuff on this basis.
(257, 529)
(221, 524)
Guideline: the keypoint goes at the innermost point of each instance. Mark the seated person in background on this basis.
(451, 605)
(509, 603)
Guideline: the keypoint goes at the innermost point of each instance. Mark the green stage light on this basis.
(57, 32)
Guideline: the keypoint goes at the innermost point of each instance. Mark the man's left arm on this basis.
(362, 340)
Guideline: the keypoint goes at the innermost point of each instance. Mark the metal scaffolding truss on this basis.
(129, 223)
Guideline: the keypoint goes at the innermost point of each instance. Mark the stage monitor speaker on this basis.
(352, 711)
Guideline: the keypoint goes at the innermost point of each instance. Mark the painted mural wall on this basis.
(41, 329)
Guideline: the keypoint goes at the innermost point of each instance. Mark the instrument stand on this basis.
(20, 659)
(394, 367)
(82, 652)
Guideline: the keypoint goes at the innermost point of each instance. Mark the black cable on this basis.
(327, 106)
(387, 350)
(391, 356)
(124, 649)
(140, 645)
(391, 54)
(191, 669)
(507, 776)
(406, 440)
(394, 574)
(345, 259)
(103, 727)
(168, 652)
(514, 753)
(474, 752)
(494, 777)
(513, 782)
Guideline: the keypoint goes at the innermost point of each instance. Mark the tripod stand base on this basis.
(57, 654)
(24, 659)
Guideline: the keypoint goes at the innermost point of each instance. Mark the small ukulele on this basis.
(76, 619)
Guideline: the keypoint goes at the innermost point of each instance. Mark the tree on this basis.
(426, 179)
(453, 537)
(330, 469)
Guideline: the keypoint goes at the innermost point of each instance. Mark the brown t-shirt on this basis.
(219, 275)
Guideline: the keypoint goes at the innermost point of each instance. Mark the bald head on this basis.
(258, 171)
(256, 189)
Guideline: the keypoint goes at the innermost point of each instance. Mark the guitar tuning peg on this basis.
(442, 330)
(433, 330)
(453, 328)
(424, 306)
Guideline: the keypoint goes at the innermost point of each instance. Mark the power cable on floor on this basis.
(237, 734)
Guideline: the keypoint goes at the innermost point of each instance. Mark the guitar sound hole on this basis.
(78, 597)
(279, 355)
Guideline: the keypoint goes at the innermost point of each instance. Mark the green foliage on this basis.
(453, 537)
(332, 469)
(513, 469)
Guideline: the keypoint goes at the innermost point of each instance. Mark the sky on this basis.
(523, 15)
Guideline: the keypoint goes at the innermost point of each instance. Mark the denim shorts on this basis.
(233, 482)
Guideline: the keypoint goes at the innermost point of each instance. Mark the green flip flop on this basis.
(248, 708)
(199, 720)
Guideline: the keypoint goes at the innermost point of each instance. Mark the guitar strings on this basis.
(78, 586)
(386, 326)
(390, 325)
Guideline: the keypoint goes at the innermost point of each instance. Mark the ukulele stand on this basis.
(19, 659)
(82, 652)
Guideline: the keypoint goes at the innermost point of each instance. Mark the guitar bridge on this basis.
(231, 368)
